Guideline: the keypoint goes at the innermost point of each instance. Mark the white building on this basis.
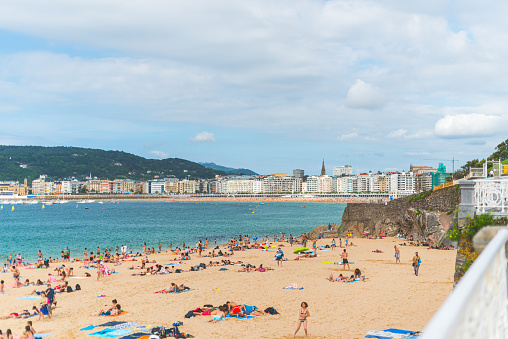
(342, 170)
(402, 183)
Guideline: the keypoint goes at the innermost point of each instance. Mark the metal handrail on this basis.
(455, 318)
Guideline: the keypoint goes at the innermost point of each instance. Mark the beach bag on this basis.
(271, 310)
(189, 314)
(78, 288)
(69, 289)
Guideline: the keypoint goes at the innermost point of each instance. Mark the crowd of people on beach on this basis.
(103, 261)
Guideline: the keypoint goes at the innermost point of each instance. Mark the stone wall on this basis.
(428, 217)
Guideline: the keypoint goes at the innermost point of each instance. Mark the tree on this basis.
(83, 190)
(501, 151)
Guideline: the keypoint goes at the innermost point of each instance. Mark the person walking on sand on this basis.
(302, 318)
(333, 244)
(416, 263)
(397, 254)
(344, 260)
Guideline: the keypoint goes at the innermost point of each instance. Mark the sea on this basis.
(30, 228)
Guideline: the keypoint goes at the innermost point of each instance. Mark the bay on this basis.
(30, 227)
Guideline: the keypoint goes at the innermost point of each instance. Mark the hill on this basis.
(20, 162)
(228, 170)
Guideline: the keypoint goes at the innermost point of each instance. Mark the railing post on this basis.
(467, 204)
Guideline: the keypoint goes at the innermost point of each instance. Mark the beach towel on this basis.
(350, 282)
(31, 297)
(391, 333)
(293, 286)
(134, 335)
(88, 328)
(41, 335)
(111, 323)
(123, 312)
(124, 325)
(245, 318)
(340, 263)
(115, 334)
(223, 269)
(102, 332)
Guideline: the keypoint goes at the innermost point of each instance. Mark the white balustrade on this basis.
(478, 306)
(491, 196)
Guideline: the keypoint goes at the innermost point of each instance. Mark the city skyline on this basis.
(266, 86)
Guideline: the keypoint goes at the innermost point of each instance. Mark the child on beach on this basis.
(302, 318)
(2, 287)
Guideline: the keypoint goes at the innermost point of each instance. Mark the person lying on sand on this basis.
(175, 288)
(22, 314)
(377, 251)
(220, 314)
(115, 311)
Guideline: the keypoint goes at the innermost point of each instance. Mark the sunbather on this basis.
(115, 311)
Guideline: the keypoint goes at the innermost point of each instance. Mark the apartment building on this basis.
(340, 171)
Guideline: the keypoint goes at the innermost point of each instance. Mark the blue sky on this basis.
(270, 86)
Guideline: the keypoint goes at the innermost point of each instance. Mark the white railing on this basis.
(478, 306)
(491, 196)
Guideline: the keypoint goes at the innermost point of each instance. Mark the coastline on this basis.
(250, 198)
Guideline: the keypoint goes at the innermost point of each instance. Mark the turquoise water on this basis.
(29, 227)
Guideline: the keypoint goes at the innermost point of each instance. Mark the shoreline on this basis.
(106, 198)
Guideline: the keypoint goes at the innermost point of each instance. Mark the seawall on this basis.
(425, 215)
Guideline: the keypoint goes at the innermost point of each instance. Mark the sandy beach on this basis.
(391, 297)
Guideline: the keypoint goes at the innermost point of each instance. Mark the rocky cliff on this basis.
(425, 215)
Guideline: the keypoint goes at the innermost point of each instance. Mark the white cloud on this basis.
(398, 133)
(414, 154)
(364, 95)
(160, 154)
(348, 136)
(203, 137)
(470, 125)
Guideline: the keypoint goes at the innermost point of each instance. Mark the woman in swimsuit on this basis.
(302, 318)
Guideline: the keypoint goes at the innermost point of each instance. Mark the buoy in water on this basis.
(12, 209)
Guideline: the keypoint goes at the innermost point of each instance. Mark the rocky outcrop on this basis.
(426, 216)
(326, 231)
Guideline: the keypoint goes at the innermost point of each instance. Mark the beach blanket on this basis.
(102, 332)
(350, 282)
(31, 297)
(341, 263)
(88, 328)
(41, 335)
(223, 269)
(134, 335)
(293, 286)
(124, 325)
(111, 323)
(115, 334)
(123, 312)
(245, 318)
(391, 333)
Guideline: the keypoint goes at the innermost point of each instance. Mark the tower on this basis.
(323, 170)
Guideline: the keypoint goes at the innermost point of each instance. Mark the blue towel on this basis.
(115, 334)
(244, 318)
(41, 335)
(134, 335)
(88, 328)
(340, 263)
(31, 297)
(112, 323)
(103, 332)
(223, 269)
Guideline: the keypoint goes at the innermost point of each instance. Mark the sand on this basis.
(392, 296)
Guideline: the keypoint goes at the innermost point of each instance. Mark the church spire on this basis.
(323, 170)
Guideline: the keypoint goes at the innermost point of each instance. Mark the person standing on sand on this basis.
(333, 244)
(144, 248)
(340, 242)
(279, 256)
(302, 318)
(344, 260)
(291, 240)
(397, 254)
(160, 246)
(416, 263)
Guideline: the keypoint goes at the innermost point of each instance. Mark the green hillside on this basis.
(229, 170)
(65, 162)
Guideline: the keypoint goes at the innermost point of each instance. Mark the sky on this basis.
(267, 85)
